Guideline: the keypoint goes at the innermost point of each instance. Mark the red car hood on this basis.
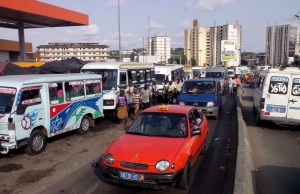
(145, 149)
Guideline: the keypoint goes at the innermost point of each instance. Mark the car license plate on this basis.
(131, 176)
(275, 110)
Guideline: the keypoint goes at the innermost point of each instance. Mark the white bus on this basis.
(167, 72)
(119, 73)
(33, 107)
(188, 72)
(198, 72)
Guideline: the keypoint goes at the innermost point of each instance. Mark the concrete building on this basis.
(159, 46)
(83, 51)
(197, 45)
(282, 44)
(221, 33)
(204, 44)
(10, 50)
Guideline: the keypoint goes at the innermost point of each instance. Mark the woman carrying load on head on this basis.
(122, 108)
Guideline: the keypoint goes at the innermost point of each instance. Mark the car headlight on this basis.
(108, 102)
(162, 165)
(109, 159)
(210, 104)
(181, 103)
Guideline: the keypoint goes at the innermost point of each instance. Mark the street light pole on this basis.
(119, 30)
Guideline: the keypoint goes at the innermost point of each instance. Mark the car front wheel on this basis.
(185, 180)
(36, 143)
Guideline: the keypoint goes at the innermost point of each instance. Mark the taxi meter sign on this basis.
(164, 108)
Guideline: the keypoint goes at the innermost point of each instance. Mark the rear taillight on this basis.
(262, 103)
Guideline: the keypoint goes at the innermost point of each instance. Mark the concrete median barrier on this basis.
(244, 182)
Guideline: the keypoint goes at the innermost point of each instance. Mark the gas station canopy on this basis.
(35, 14)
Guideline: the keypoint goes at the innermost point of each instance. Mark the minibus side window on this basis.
(31, 96)
(56, 93)
(93, 88)
(74, 90)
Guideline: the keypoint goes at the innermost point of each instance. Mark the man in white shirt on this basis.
(154, 93)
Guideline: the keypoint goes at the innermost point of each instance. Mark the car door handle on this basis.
(293, 101)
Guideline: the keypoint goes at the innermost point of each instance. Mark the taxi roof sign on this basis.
(163, 107)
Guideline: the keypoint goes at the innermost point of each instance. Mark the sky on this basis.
(141, 18)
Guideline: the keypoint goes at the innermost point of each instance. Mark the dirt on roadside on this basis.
(63, 155)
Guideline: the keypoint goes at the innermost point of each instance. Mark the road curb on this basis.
(244, 182)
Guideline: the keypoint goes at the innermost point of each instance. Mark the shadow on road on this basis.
(284, 179)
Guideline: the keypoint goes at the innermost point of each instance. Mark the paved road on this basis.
(213, 173)
(275, 151)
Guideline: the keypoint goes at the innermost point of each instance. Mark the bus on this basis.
(36, 107)
(187, 72)
(198, 72)
(167, 72)
(115, 74)
(29, 64)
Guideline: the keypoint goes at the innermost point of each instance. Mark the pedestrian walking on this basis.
(122, 108)
(171, 92)
(165, 92)
(234, 86)
(136, 100)
(145, 95)
(154, 93)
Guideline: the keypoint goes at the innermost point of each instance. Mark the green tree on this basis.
(193, 62)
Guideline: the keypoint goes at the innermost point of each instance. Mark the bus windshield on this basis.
(160, 78)
(7, 96)
(215, 75)
(109, 77)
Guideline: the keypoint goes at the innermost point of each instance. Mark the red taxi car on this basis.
(158, 149)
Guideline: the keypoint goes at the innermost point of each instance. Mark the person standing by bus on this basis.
(154, 92)
(122, 108)
(145, 94)
(136, 100)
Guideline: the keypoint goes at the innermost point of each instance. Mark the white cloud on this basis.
(91, 30)
(153, 25)
(185, 24)
(114, 3)
(180, 35)
(209, 5)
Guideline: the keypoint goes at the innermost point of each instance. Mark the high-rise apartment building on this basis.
(83, 51)
(282, 44)
(204, 44)
(159, 46)
(197, 45)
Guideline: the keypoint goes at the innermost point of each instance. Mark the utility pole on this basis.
(119, 30)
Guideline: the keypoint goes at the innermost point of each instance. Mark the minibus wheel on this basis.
(84, 125)
(36, 143)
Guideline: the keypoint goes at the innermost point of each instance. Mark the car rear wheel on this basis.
(84, 125)
(259, 122)
(185, 180)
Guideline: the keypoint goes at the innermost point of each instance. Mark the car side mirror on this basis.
(21, 108)
(196, 132)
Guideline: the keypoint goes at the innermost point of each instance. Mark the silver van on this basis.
(220, 73)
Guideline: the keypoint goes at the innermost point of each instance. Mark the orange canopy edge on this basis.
(35, 14)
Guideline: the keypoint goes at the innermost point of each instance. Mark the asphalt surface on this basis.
(212, 173)
(275, 152)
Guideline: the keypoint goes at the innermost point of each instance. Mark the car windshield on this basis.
(199, 87)
(109, 77)
(230, 72)
(196, 73)
(160, 78)
(160, 125)
(7, 96)
(215, 75)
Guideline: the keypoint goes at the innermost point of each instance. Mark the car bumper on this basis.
(279, 120)
(209, 111)
(154, 181)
